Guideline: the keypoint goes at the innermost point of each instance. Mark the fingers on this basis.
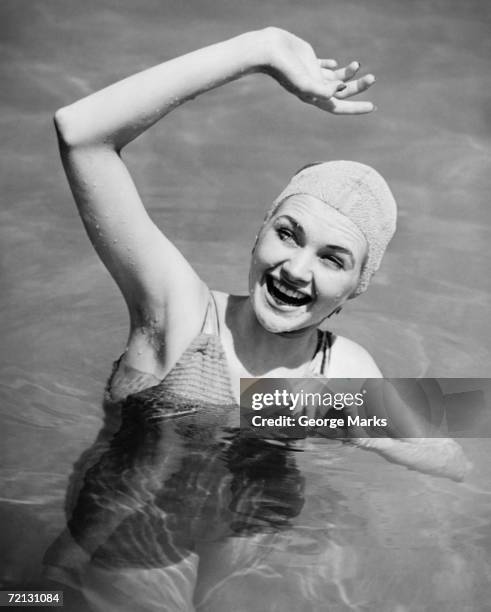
(331, 92)
(322, 91)
(355, 87)
(331, 64)
(343, 107)
(348, 72)
(337, 106)
(341, 74)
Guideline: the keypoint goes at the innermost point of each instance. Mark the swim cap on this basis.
(357, 191)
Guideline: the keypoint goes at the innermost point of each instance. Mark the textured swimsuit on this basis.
(176, 473)
(200, 375)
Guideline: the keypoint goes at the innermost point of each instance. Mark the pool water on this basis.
(357, 532)
(236, 523)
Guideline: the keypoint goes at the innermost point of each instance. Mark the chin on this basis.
(273, 325)
(277, 322)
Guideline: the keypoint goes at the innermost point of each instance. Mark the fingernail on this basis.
(341, 87)
(359, 64)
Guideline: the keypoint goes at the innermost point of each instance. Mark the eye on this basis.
(334, 260)
(285, 234)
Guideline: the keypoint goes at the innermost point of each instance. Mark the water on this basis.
(386, 536)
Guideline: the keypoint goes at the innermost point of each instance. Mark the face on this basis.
(307, 262)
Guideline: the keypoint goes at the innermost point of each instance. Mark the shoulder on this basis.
(228, 307)
(350, 360)
(221, 299)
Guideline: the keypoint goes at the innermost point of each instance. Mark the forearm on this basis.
(437, 456)
(116, 115)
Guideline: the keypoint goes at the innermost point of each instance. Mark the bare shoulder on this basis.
(227, 304)
(351, 360)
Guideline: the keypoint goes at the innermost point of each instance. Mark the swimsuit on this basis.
(173, 470)
(201, 374)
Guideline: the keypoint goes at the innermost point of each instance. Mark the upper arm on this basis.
(161, 289)
(350, 360)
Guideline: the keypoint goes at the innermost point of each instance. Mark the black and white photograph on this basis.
(245, 306)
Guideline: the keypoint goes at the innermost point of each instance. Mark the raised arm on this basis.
(161, 289)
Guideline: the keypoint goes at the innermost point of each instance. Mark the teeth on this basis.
(287, 291)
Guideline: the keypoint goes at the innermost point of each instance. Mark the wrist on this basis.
(259, 48)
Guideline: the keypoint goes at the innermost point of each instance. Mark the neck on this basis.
(261, 351)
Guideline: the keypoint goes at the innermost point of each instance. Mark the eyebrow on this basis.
(330, 247)
(293, 221)
(344, 250)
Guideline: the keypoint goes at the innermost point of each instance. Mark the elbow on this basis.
(72, 128)
(65, 126)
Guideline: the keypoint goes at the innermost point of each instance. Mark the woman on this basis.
(188, 347)
(167, 301)
(300, 276)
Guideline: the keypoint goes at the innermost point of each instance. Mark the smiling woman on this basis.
(297, 281)
(308, 258)
(189, 346)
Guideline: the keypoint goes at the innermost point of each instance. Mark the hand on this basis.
(436, 456)
(294, 64)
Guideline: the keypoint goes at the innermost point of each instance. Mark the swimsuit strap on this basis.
(211, 323)
(322, 355)
(326, 352)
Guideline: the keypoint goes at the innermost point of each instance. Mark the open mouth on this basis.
(285, 294)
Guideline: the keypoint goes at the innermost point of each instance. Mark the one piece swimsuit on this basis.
(170, 468)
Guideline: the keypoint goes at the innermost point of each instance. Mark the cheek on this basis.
(256, 268)
(266, 252)
(334, 287)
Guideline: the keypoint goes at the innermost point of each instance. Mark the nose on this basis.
(297, 269)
